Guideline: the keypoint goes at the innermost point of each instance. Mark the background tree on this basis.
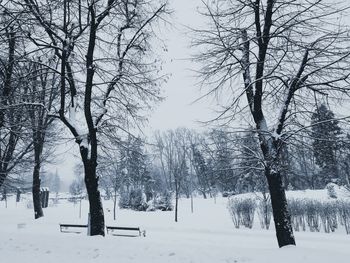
(223, 161)
(42, 90)
(14, 144)
(172, 147)
(325, 132)
(202, 171)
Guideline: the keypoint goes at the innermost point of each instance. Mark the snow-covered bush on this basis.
(242, 211)
(344, 214)
(233, 206)
(328, 214)
(313, 212)
(264, 209)
(134, 199)
(312, 209)
(297, 211)
(331, 190)
(124, 202)
(163, 202)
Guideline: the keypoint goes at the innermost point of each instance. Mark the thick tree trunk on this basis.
(281, 216)
(97, 223)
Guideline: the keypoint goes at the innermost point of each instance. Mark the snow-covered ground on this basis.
(206, 236)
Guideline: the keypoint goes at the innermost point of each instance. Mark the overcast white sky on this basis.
(181, 89)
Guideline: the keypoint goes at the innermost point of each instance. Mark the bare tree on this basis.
(14, 146)
(173, 147)
(271, 58)
(103, 50)
(41, 88)
(112, 176)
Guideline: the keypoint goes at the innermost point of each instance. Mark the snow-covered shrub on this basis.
(331, 190)
(312, 208)
(328, 214)
(242, 211)
(297, 212)
(344, 214)
(134, 200)
(150, 206)
(264, 212)
(137, 200)
(163, 202)
(124, 202)
(234, 207)
(247, 214)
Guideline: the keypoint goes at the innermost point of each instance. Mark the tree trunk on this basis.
(38, 210)
(97, 223)
(176, 199)
(114, 204)
(281, 216)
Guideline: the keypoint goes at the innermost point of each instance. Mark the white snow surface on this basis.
(206, 236)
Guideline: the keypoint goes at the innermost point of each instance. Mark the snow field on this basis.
(206, 236)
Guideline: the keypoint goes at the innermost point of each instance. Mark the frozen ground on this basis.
(206, 236)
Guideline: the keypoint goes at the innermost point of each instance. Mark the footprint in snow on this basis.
(171, 254)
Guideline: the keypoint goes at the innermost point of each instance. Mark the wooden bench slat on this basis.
(71, 225)
(123, 228)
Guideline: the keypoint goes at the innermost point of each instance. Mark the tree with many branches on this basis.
(106, 69)
(271, 59)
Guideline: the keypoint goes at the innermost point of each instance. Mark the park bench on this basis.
(66, 227)
(125, 231)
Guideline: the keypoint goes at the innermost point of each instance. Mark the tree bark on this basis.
(114, 204)
(38, 211)
(176, 199)
(281, 216)
(97, 222)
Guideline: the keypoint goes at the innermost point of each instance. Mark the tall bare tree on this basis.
(41, 91)
(103, 49)
(14, 146)
(271, 58)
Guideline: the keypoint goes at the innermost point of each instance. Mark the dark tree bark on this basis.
(281, 215)
(176, 199)
(114, 204)
(38, 211)
(97, 223)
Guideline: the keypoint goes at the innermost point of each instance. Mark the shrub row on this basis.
(305, 213)
(316, 214)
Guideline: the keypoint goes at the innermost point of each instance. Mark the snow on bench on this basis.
(66, 228)
(125, 231)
